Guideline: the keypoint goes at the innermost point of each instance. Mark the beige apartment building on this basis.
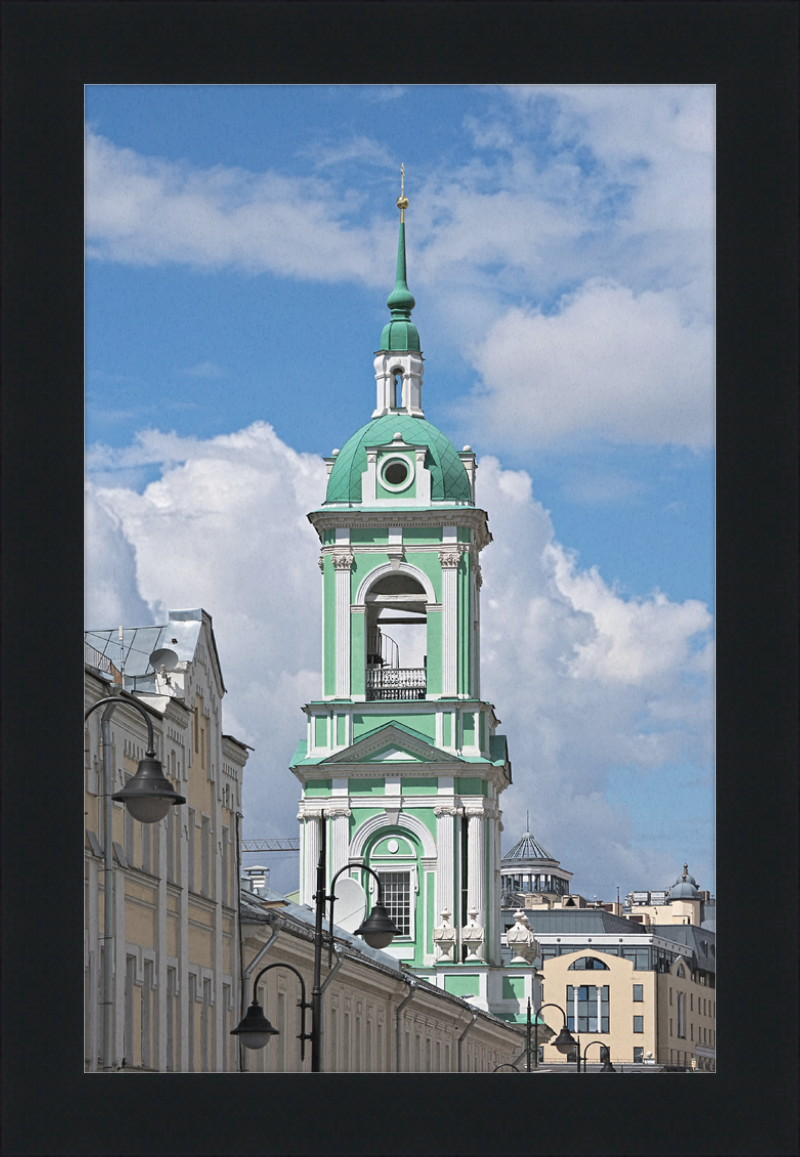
(176, 968)
(645, 1014)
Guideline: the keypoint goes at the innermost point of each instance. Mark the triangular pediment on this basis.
(392, 754)
(392, 743)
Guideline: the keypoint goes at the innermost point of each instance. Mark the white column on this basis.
(445, 825)
(449, 560)
(342, 564)
(340, 838)
(476, 867)
(311, 842)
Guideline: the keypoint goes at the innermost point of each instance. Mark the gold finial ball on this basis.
(402, 202)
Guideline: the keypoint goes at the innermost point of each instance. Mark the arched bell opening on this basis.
(396, 389)
(396, 638)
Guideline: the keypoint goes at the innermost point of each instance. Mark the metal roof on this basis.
(528, 849)
(588, 920)
(701, 942)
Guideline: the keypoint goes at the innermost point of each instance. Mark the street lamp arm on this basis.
(364, 868)
(549, 1005)
(114, 699)
(606, 1060)
(304, 1004)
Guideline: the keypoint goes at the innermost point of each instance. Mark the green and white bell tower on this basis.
(402, 761)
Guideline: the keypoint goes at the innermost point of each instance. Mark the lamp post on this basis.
(564, 1042)
(378, 929)
(605, 1057)
(148, 797)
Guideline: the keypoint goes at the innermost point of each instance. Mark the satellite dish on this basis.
(351, 904)
(164, 657)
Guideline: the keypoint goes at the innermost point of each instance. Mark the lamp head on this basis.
(254, 1028)
(565, 1042)
(378, 929)
(149, 795)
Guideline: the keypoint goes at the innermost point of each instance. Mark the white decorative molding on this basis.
(374, 824)
(321, 563)
(387, 568)
(449, 557)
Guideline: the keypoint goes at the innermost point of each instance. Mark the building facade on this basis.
(176, 965)
(377, 1017)
(646, 993)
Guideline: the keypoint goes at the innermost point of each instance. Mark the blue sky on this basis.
(240, 247)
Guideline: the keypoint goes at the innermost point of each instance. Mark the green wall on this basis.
(318, 787)
(425, 724)
(513, 987)
(320, 730)
(366, 786)
(462, 983)
(422, 785)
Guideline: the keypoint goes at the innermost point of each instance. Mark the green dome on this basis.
(449, 481)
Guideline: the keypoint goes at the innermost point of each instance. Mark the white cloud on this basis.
(583, 679)
(111, 594)
(148, 210)
(204, 370)
(630, 368)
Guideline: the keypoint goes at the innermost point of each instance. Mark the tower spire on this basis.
(401, 333)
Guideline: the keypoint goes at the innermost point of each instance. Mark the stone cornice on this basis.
(469, 516)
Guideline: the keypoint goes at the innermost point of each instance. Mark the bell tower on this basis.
(401, 759)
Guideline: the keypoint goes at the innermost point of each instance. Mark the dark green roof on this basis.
(449, 481)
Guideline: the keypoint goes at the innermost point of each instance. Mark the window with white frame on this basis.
(588, 1008)
(396, 895)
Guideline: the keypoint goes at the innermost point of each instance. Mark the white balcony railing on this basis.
(396, 682)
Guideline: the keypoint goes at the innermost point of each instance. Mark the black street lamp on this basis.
(605, 1056)
(378, 929)
(254, 1029)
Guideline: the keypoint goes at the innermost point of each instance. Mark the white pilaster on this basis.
(340, 837)
(311, 843)
(445, 899)
(449, 560)
(342, 565)
(476, 866)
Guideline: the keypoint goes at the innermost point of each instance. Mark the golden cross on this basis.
(402, 177)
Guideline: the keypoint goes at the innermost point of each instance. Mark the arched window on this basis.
(396, 638)
(587, 962)
(396, 395)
